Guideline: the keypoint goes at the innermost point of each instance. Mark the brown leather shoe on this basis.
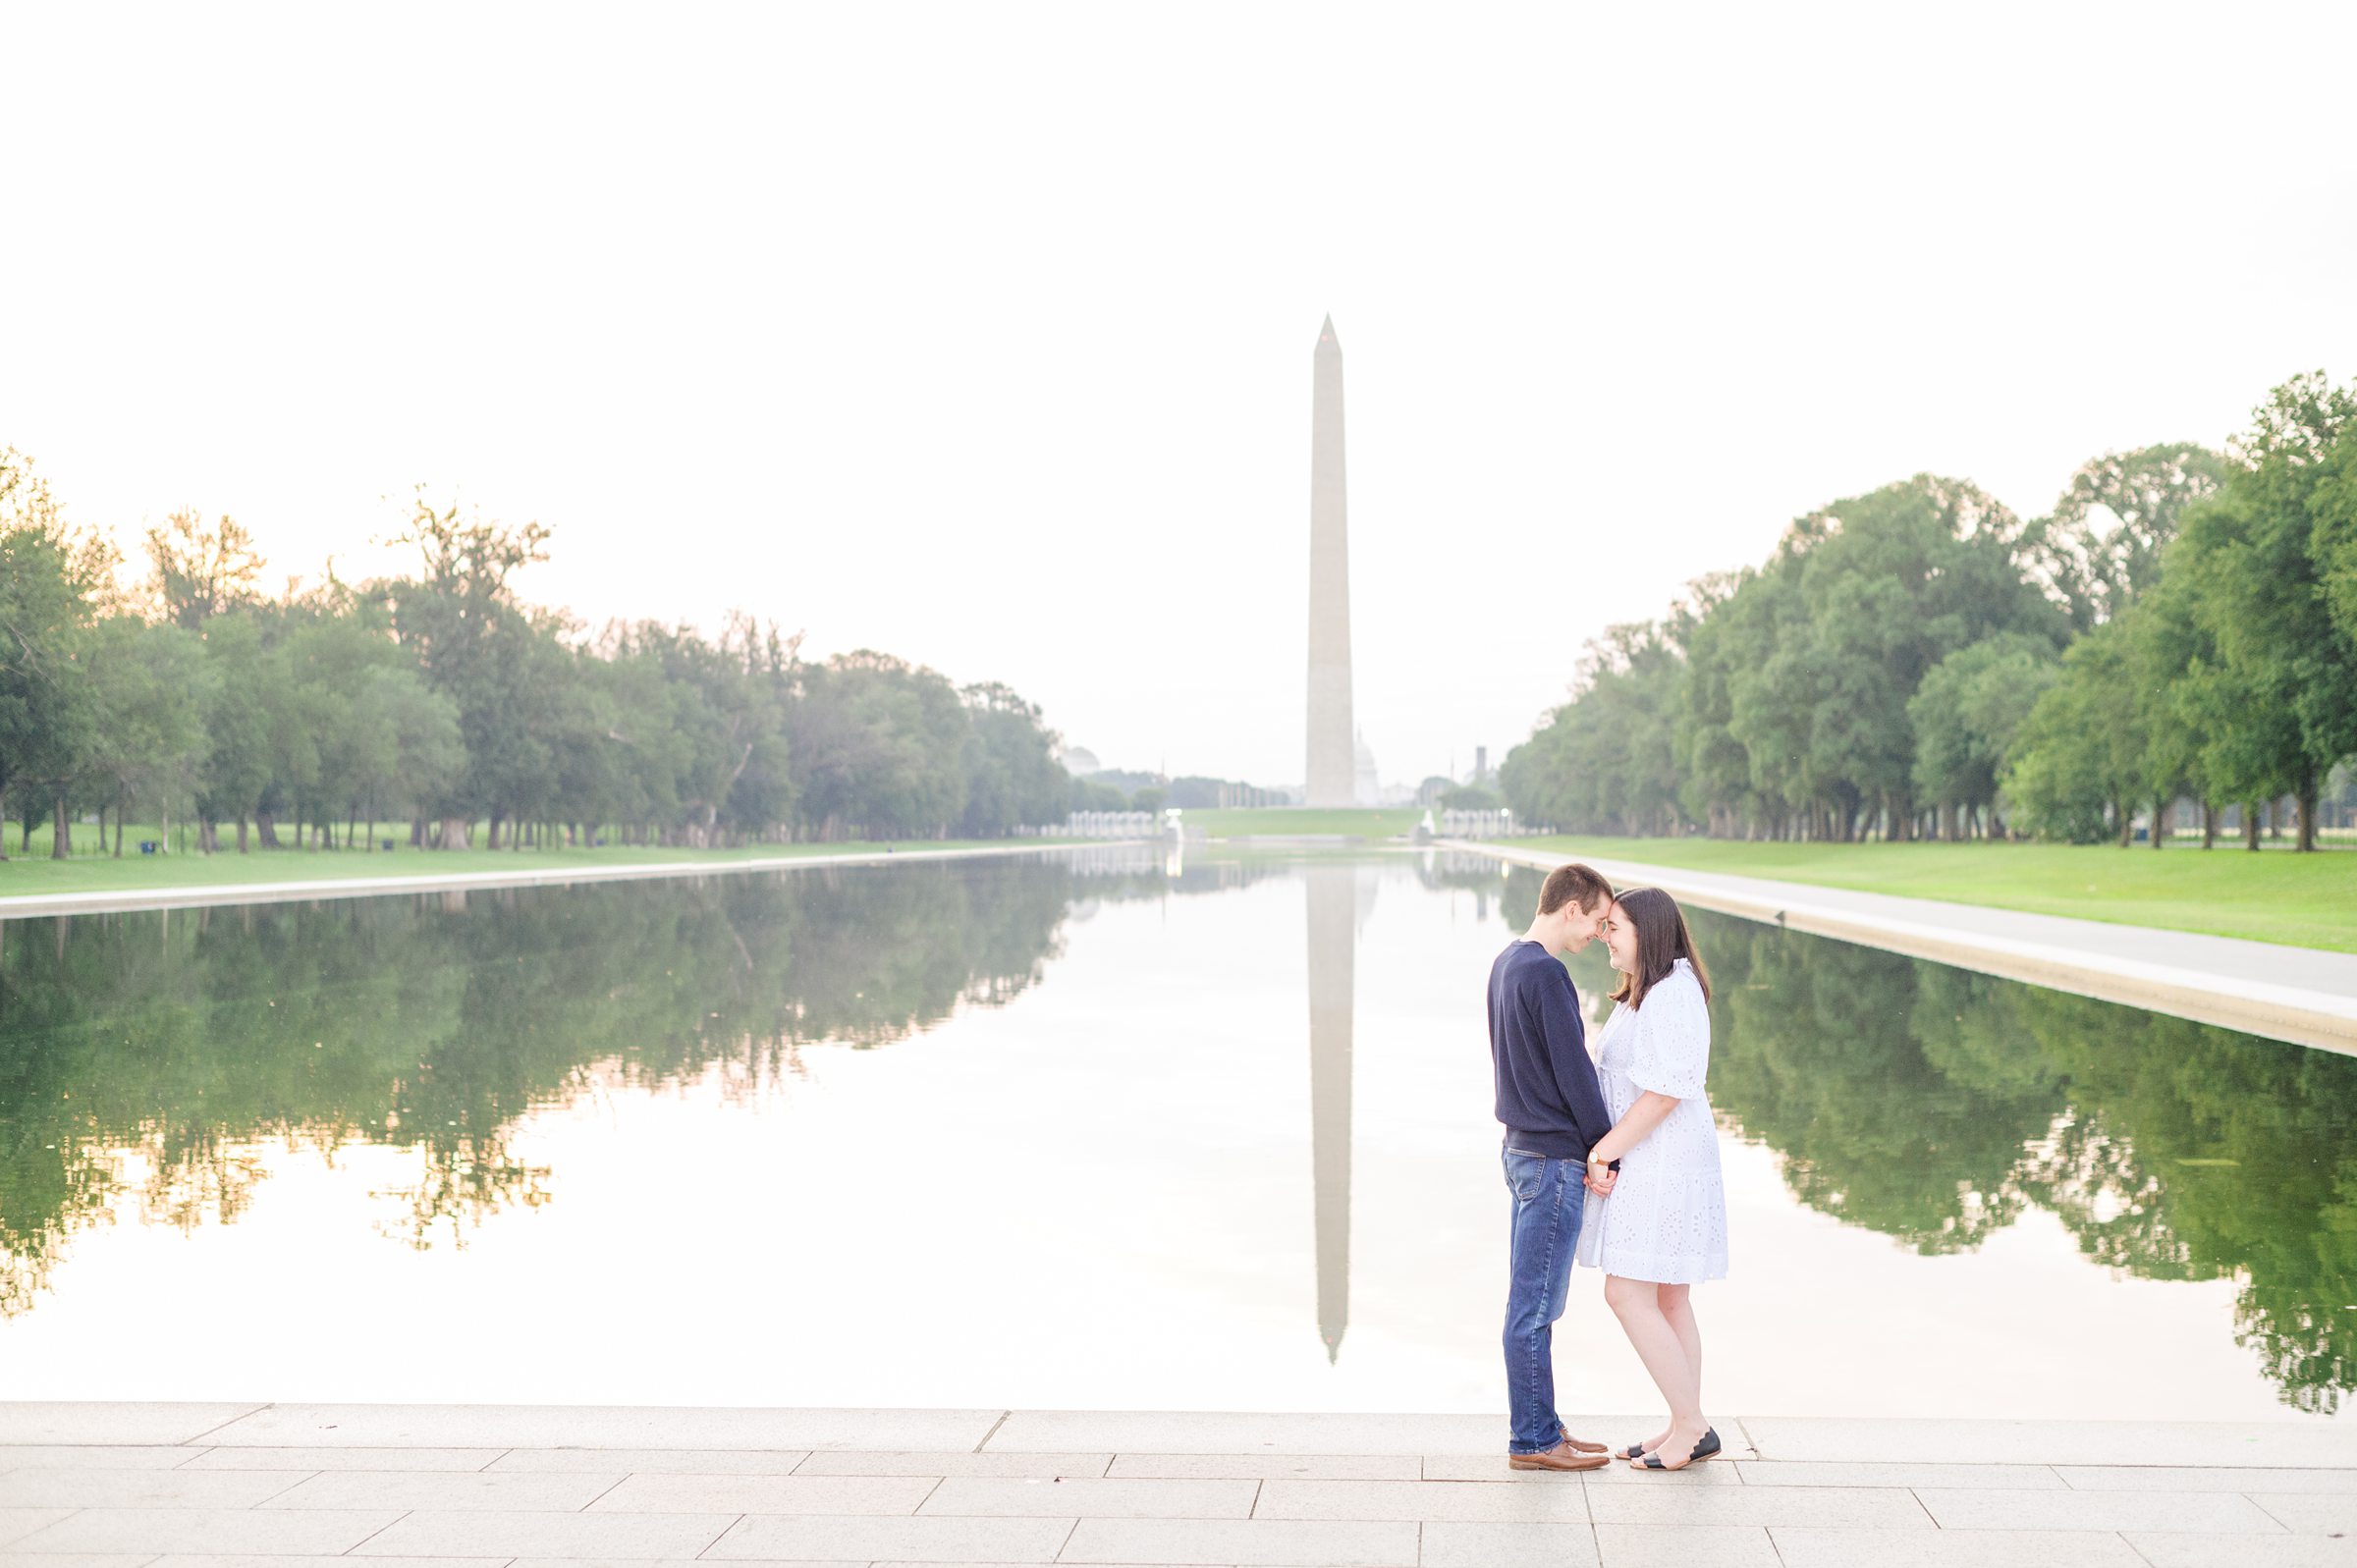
(1581, 1445)
(1563, 1456)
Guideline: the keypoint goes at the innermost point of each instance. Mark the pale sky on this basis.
(981, 334)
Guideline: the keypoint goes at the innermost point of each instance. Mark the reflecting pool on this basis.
(1098, 1129)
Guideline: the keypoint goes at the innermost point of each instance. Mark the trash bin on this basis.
(387, 843)
(149, 846)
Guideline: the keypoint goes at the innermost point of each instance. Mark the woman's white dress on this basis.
(1666, 1220)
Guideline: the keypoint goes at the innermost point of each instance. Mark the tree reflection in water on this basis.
(148, 1056)
(1934, 1105)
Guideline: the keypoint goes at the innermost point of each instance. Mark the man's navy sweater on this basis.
(1546, 1092)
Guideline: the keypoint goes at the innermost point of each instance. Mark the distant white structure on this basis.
(1365, 790)
(1334, 772)
(1080, 762)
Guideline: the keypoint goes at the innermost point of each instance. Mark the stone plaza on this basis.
(127, 1486)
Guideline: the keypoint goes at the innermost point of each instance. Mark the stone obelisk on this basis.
(1333, 747)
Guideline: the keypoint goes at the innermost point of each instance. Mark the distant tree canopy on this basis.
(1919, 662)
(442, 699)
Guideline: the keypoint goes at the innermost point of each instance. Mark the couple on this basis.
(1622, 1173)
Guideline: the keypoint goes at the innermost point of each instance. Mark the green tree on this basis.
(197, 573)
(53, 580)
(147, 690)
(1012, 777)
(1965, 715)
(2143, 494)
(2276, 678)
(482, 649)
(241, 687)
(878, 746)
(2078, 762)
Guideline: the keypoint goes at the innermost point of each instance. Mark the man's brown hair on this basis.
(1573, 884)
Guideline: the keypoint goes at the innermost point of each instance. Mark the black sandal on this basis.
(1635, 1450)
(1708, 1448)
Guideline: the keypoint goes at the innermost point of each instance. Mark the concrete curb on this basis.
(124, 900)
(2220, 991)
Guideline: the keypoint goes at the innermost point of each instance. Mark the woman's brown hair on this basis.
(1662, 939)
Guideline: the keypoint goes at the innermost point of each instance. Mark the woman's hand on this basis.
(1650, 1111)
(1600, 1177)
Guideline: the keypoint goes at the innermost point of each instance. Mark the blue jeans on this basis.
(1549, 1200)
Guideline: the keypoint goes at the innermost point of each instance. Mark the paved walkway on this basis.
(2295, 993)
(124, 1486)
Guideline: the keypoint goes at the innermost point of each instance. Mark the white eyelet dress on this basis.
(1666, 1220)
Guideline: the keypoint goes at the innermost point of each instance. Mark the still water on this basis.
(1098, 1130)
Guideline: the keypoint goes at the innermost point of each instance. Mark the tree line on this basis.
(1920, 662)
(442, 700)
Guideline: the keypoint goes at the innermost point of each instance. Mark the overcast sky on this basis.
(981, 334)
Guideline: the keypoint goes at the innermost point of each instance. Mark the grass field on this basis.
(2299, 900)
(1286, 821)
(33, 873)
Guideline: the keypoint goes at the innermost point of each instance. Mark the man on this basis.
(1553, 1110)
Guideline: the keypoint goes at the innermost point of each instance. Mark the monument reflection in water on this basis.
(1333, 905)
(1033, 1131)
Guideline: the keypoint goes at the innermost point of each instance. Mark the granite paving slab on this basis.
(2019, 1478)
(847, 1537)
(1211, 1433)
(1491, 1469)
(1093, 1498)
(655, 1562)
(2165, 1551)
(1512, 1545)
(1420, 1500)
(17, 1523)
(1670, 1503)
(1035, 1466)
(604, 1426)
(1621, 1473)
(651, 1563)
(2310, 1513)
(446, 1490)
(343, 1458)
(2295, 1445)
(2191, 1478)
(1260, 1467)
(655, 1461)
(267, 1560)
(159, 1529)
(89, 1559)
(767, 1495)
(84, 1487)
(1244, 1542)
(1807, 1546)
(1621, 1546)
(2221, 1513)
(103, 1456)
(61, 1421)
(470, 1533)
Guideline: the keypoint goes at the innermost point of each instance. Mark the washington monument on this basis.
(1333, 747)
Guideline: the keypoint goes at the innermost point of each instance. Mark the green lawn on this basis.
(2300, 900)
(34, 872)
(1286, 821)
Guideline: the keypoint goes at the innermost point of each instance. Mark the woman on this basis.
(1658, 1226)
